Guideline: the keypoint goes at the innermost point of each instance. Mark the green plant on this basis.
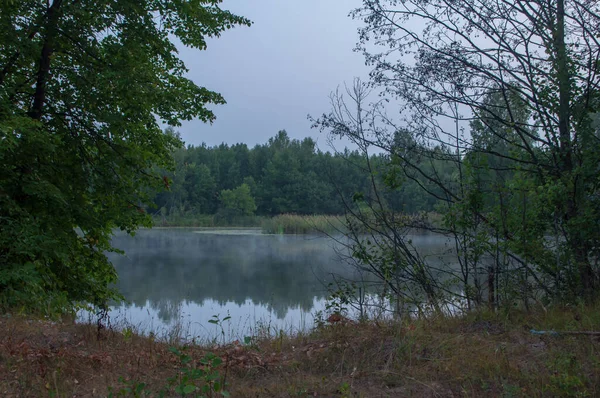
(298, 391)
(216, 320)
(319, 319)
(296, 224)
(344, 390)
(203, 380)
(127, 333)
(337, 303)
(83, 146)
(279, 339)
(338, 300)
(250, 342)
(132, 388)
(566, 380)
(510, 390)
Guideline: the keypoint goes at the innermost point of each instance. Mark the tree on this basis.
(200, 187)
(526, 74)
(84, 88)
(238, 201)
(377, 238)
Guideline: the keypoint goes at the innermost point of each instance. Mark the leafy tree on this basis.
(200, 188)
(238, 201)
(284, 175)
(281, 183)
(84, 86)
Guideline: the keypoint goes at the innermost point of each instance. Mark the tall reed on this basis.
(296, 224)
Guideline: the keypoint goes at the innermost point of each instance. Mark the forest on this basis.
(282, 176)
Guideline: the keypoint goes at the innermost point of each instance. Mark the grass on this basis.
(479, 355)
(207, 220)
(295, 224)
(281, 224)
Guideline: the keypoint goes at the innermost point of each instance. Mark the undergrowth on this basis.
(481, 354)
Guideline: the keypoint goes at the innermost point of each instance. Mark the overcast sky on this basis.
(277, 71)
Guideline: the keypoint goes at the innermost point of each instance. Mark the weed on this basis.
(204, 379)
(344, 390)
(216, 320)
(566, 379)
(127, 333)
(510, 390)
(475, 355)
(132, 389)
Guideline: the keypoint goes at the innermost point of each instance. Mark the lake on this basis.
(176, 280)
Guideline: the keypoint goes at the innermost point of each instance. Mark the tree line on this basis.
(281, 176)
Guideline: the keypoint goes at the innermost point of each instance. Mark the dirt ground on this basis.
(475, 356)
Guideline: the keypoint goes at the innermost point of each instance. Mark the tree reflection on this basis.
(167, 267)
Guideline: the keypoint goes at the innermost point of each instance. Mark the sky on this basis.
(276, 72)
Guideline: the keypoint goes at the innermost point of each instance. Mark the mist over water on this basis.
(180, 275)
(181, 278)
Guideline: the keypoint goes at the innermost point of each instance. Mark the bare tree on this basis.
(376, 237)
(502, 87)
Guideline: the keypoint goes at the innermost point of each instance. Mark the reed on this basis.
(298, 225)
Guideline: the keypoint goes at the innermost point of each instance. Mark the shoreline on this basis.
(480, 354)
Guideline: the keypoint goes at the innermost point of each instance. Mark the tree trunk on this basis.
(564, 89)
(491, 287)
(39, 97)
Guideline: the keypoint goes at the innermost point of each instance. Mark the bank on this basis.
(553, 352)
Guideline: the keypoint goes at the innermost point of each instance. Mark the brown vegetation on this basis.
(480, 355)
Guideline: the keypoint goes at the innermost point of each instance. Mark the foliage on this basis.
(131, 388)
(204, 378)
(238, 201)
(84, 88)
(505, 145)
(207, 221)
(190, 380)
(217, 321)
(285, 176)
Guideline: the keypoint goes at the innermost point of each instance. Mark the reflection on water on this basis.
(169, 274)
(191, 320)
(179, 276)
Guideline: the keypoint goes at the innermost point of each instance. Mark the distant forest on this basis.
(282, 176)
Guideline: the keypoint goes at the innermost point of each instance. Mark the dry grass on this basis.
(480, 355)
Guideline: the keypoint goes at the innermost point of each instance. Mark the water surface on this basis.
(176, 280)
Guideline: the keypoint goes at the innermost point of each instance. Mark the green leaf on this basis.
(88, 158)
